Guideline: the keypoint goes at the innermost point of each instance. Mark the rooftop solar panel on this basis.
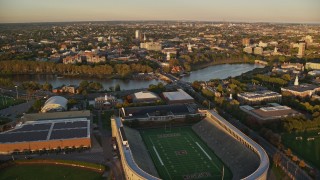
(23, 136)
(66, 125)
(33, 127)
(70, 133)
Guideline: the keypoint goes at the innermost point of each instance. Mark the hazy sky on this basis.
(307, 11)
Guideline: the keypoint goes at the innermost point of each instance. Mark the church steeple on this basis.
(296, 81)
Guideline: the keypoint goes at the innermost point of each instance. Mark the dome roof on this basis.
(55, 103)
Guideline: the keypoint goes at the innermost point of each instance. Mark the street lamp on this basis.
(17, 91)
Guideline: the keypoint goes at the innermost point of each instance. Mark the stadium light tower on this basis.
(17, 91)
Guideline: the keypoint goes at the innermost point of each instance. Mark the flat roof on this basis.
(271, 112)
(177, 95)
(145, 95)
(302, 87)
(259, 94)
(58, 129)
(56, 115)
(162, 110)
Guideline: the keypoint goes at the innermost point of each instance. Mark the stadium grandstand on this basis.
(55, 104)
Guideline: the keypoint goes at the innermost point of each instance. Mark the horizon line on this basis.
(212, 21)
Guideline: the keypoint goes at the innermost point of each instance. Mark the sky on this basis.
(296, 11)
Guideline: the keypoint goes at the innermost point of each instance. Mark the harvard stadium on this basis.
(209, 149)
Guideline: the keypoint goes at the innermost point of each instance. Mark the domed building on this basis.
(55, 104)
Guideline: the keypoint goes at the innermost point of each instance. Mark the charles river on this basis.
(212, 72)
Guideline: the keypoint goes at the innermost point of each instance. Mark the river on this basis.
(218, 71)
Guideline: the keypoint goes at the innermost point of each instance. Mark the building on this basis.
(310, 65)
(55, 104)
(271, 112)
(84, 57)
(258, 51)
(46, 135)
(105, 102)
(295, 66)
(56, 115)
(70, 89)
(151, 46)
(247, 50)
(302, 47)
(314, 73)
(177, 97)
(246, 41)
(262, 44)
(138, 35)
(158, 113)
(301, 90)
(145, 97)
(259, 97)
(130, 168)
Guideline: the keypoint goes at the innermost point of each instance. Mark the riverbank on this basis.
(214, 63)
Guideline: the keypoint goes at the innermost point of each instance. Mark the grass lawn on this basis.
(42, 171)
(6, 101)
(180, 154)
(308, 150)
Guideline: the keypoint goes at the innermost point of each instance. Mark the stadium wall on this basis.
(262, 171)
(7, 148)
(130, 168)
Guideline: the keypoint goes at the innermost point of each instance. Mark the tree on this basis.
(288, 152)
(276, 158)
(294, 158)
(302, 164)
(117, 88)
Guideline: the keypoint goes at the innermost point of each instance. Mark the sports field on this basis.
(307, 149)
(47, 172)
(178, 153)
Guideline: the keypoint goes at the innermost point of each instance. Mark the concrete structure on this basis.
(258, 50)
(105, 102)
(145, 97)
(151, 46)
(138, 35)
(275, 111)
(56, 115)
(302, 47)
(310, 65)
(177, 97)
(46, 135)
(130, 169)
(259, 97)
(158, 113)
(248, 50)
(55, 104)
(262, 171)
(301, 90)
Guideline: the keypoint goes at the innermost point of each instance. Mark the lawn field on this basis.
(179, 153)
(308, 150)
(42, 171)
(6, 101)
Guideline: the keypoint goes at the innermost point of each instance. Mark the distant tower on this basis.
(168, 56)
(275, 50)
(144, 37)
(302, 47)
(296, 81)
(138, 34)
(189, 47)
(230, 96)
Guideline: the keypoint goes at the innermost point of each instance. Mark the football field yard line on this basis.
(204, 151)
(155, 150)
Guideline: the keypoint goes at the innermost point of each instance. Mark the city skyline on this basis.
(285, 11)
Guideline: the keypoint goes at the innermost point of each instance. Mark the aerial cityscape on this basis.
(147, 90)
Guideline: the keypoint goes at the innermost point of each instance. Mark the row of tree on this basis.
(34, 67)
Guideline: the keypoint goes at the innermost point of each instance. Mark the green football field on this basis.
(178, 153)
(307, 149)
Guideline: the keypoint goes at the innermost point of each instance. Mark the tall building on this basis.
(138, 35)
(151, 46)
(302, 47)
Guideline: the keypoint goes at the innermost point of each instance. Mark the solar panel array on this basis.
(41, 131)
